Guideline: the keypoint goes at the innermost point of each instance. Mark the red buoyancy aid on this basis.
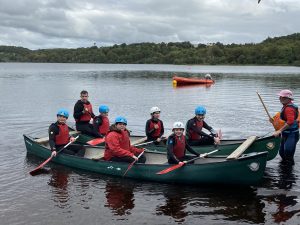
(63, 136)
(156, 133)
(125, 141)
(194, 135)
(179, 146)
(104, 128)
(86, 117)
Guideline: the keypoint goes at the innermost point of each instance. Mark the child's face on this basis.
(200, 117)
(61, 119)
(121, 126)
(156, 115)
(104, 114)
(178, 131)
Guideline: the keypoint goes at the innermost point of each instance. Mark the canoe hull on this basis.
(270, 144)
(191, 81)
(247, 170)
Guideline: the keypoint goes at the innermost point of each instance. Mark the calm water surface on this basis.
(32, 93)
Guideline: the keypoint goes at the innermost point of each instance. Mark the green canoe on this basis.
(248, 169)
(269, 144)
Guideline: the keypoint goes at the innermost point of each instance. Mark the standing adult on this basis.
(290, 130)
(154, 126)
(177, 145)
(83, 113)
(101, 122)
(117, 144)
(59, 136)
(194, 130)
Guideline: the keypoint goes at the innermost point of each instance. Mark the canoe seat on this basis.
(46, 139)
(242, 148)
(94, 153)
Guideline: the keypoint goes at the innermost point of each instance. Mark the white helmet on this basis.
(154, 109)
(178, 125)
(207, 76)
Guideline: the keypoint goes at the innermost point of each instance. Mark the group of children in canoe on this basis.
(117, 137)
(117, 141)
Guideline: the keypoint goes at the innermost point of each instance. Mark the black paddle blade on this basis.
(39, 171)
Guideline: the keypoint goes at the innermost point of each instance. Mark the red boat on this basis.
(188, 81)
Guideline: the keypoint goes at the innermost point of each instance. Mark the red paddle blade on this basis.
(96, 141)
(129, 167)
(170, 169)
(40, 166)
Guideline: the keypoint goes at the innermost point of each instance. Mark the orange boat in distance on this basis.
(178, 81)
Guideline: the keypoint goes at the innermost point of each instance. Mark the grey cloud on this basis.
(78, 23)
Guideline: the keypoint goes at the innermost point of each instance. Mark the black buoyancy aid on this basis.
(104, 127)
(194, 135)
(86, 117)
(179, 146)
(295, 125)
(62, 137)
(156, 133)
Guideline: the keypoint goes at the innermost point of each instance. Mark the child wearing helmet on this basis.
(101, 122)
(117, 144)
(290, 130)
(154, 126)
(177, 145)
(59, 136)
(194, 127)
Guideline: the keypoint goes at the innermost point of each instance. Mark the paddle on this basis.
(276, 120)
(131, 164)
(220, 135)
(96, 141)
(47, 160)
(182, 164)
(262, 102)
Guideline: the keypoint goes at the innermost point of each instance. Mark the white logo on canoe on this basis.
(254, 166)
(270, 145)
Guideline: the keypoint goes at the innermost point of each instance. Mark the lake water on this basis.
(31, 94)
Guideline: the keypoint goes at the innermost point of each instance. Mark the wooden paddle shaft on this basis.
(262, 102)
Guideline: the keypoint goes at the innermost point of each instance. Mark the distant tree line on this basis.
(283, 50)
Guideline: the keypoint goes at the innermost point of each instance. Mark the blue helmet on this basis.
(121, 119)
(200, 110)
(103, 109)
(63, 112)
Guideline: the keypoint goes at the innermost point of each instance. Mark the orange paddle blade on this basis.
(96, 141)
(170, 169)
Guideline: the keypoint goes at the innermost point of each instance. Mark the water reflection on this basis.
(175, 205)
(208, 86)
(236, 204)
(59, 180)
(281, 196)
(120, 197)
(227, 202)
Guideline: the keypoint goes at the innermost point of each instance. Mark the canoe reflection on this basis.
(120, 197)
(234, 204)
(192, 86)
(175, 205)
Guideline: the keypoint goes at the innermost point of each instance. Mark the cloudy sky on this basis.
(39, 24)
